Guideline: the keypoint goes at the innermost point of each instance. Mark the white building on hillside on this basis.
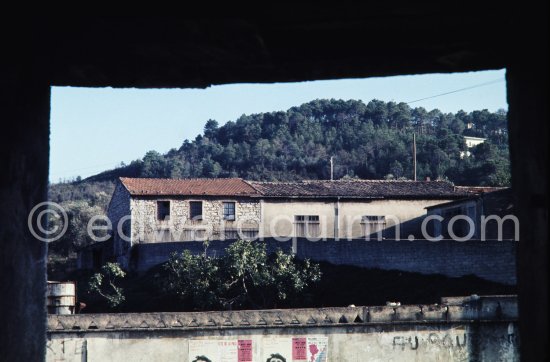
(471, 142)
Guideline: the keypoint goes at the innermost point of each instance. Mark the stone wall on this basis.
(490, 260)
(119, 207)
(147, 228)
(482, 328)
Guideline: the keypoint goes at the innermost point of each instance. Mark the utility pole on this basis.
(414, 155)
(331, 169)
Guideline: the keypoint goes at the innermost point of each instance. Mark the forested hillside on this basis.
(371, 141)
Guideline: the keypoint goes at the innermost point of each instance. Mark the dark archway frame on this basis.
(275, 45)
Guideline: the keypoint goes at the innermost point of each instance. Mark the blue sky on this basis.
(94, 129)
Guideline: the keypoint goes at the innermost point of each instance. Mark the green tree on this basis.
(244, 276)
(193, 279)
(211, 129)
(396, 169)
(103, 283)
(154, 165)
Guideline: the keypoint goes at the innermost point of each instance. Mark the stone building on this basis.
(146, 211)
(170, 210)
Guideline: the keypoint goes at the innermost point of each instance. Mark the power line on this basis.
(458, 90)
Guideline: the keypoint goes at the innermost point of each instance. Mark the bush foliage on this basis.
(246, 276)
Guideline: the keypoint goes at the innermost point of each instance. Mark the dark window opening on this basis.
(163, 210)
(195, 210)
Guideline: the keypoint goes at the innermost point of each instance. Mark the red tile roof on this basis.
(368, 189)
(188, 187)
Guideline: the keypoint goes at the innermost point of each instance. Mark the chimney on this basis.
(428, 178)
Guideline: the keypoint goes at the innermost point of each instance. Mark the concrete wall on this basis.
(458, 329)
(471, 208)
(490, 260)
(409, 214)
(278, 215)
(24, 153)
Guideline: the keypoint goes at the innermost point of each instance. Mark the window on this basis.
(163, 210)
(250, 233)
(231, 234)
(163, 236)
(244, 233)
(229, 211)
(307, 225)
(195, 210)
(193, 234)
(373, 224)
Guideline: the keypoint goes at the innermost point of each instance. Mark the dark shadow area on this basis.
(340, 286)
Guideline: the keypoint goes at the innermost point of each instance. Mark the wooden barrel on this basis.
(61, 297)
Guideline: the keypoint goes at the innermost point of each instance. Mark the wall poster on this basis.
(205, 350)
(267, 349)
